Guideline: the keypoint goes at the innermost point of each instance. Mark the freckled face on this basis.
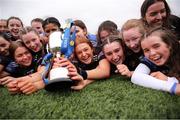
(84, 53)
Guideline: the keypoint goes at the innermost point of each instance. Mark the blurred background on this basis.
(92, 12)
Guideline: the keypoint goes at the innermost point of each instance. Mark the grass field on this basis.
(114, 98)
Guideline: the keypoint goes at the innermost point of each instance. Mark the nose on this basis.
(25, 56)
(132, 44)
(83, 53)
(33, 44)
(152, 52)
(159, 16)
(1, 49)
(114, 56)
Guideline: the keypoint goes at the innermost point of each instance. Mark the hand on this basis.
(73, 74)
(12, 87)
(6, 80)
(123, 70)
(62, 62)
(82, 84)
(26, 86)
(159, 75)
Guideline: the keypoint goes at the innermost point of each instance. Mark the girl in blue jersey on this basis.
(24, 78)
(160, 69)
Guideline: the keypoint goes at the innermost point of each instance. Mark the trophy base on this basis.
(59, 84)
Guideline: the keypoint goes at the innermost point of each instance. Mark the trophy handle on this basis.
(47, 63)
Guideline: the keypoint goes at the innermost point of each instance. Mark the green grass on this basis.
(114, 98)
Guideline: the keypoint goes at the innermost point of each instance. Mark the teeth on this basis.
(156, 58)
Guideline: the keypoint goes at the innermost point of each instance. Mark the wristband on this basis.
(173, 89)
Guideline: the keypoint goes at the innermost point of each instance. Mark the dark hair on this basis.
(171, 40)
(108, 26)
(113, 38)
(80, 24)
(37, 20)
(7, 36)
(52, 20)
(12, 17)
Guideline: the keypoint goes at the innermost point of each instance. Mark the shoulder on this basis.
(148, 63)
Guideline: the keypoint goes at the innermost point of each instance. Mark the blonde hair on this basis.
(132, 23)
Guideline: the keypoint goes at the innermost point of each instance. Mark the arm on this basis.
(101, 71)
(26, 84)
(141, 77)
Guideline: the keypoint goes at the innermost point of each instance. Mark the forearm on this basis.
(32, 77)
(151, 82)
(101, 71)
(141, 77)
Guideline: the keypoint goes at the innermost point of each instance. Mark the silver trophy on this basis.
(60, 44)
(60, 73)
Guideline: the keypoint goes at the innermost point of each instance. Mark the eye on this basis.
(54, 30)
(33, 40)
(117, 50)
(27, 43)
(153, 14)
(156, 46)
(108, 53)
(145, 50)
(47, 31)
(163, 11)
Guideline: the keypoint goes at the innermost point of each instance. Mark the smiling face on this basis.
(131, 38)
(156, 14)
(84, 53)
(49, 28)
(23, 56)
(114, 53)
(32, 41)
(155, 50)
(14, 27)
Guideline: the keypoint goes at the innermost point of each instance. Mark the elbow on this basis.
(134, 78)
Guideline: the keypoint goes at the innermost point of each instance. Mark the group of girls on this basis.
(144, 50)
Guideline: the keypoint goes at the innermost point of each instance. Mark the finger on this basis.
(22, 83)
(76, 87)
(14, 89)
(12, 84)
(72, 70)
(71, 74)
(26, 86)
(78, 78)
(29, 90)
(153, 74)
(6, 82)
(4, 79)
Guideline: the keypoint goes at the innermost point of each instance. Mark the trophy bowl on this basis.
(58, 78)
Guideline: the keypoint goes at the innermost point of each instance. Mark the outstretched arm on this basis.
(141, 77)
(101, 71)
